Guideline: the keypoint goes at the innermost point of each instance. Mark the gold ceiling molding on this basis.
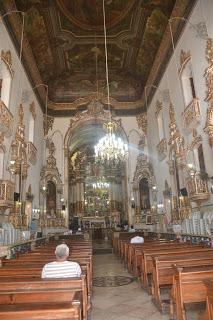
(7, 58)
(33, 110)
(103, 99)
(142, 122)
(159, 107)
(184, 58)
(209, 97)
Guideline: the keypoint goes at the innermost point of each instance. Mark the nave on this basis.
(125, 302)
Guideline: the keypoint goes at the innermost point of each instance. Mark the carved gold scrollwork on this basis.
(6, 194)
(47, 124)
(159, 107)
(162, 149)
(209, 97)
(18, 157)
(142, 122)
(184, 58)
(7, 58)
(176, 141)
(6, 120)
(191, 115)
(33, 110)
(197, 188)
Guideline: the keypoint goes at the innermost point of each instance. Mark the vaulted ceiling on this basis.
(64, 48)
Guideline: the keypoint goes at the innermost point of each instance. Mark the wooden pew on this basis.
(40, 261)
(188, 287)
(147, 254)
(209, 300)
(136, 250)
(163, 271)
(43, 299)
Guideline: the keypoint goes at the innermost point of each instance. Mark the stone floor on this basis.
(124, 302)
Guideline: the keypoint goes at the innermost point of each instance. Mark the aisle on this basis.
(126, 302)
(123, 302)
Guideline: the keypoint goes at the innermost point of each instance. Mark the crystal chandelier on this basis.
(110, 149)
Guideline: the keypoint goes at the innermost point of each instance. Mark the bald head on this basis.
(62, 251)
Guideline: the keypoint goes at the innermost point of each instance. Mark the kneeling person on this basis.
(61, 268)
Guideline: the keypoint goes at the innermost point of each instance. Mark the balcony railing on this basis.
(6, 120)
(6, 194)
(191, 115)
(32, 152)
(197, 188)
(162, 149)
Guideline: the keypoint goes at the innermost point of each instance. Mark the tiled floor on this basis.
(128, 302)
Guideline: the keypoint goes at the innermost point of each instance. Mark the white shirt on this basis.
(137, 239)
(63, 269)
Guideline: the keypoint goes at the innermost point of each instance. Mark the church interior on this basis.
(106, 132)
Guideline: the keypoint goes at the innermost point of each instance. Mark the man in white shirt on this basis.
(61, 268)
(137, 239)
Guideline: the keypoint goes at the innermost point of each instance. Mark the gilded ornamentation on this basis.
(209, 97)
(47, 123)
(33, 110)
(50, 171)
(6, 120)
(142, 122)
(162, 149)
(184, 58)
(6, 194)
(18, 157)
(7, 58)
(191, 115)
(158, 107)
(197, 188)
(176, 141)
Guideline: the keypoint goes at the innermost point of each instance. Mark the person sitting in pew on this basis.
(61, 268)
(137, 239)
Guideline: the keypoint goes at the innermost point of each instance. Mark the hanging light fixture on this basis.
(110, 149)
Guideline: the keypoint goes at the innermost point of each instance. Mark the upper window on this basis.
(187, 79)
(5, 85)
(31, 128)
(159, 115)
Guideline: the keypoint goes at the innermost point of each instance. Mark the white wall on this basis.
(20, 83)
(189, 41)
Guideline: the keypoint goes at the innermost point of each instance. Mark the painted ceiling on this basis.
(66, 39)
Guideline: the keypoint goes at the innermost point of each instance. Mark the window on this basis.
(159, 115)
(188, 85)
(5, 84)
(31, 128)
(199, 159)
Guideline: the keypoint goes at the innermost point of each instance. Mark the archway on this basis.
(95, 192)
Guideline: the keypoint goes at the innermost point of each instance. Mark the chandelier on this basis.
(110, 149)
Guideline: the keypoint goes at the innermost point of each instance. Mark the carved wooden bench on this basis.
(188, 287)
(44, 298)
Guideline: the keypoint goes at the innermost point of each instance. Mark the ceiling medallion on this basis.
(110, 149)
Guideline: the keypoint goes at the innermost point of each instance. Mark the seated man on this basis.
(61, 268)
(137, 239)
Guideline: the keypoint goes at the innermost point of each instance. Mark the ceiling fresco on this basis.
(66, 40)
